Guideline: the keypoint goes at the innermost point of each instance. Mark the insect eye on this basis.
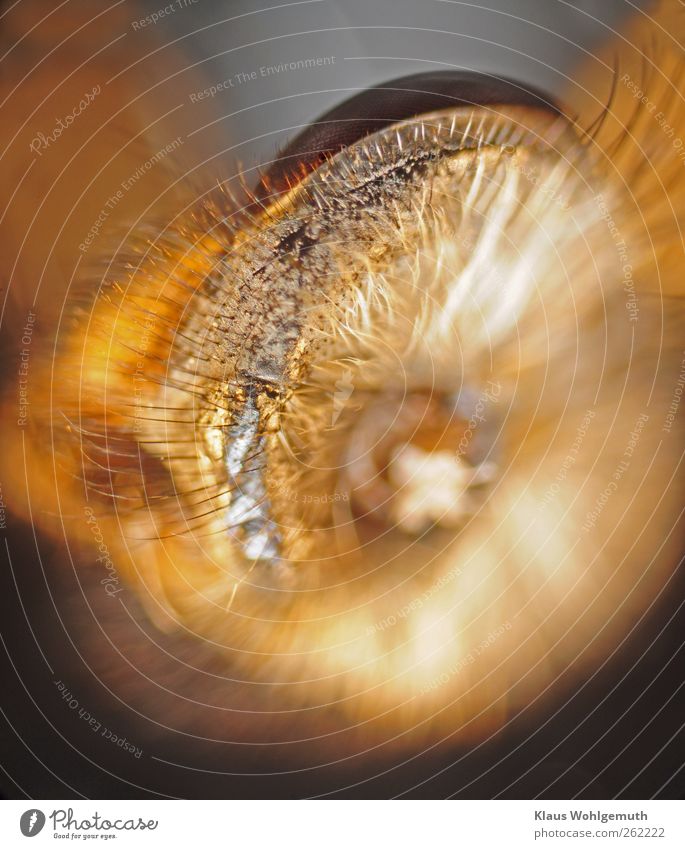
(375, 108)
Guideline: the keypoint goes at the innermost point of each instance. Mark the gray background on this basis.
(535, 41)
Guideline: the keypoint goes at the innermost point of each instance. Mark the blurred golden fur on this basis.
(544, 262)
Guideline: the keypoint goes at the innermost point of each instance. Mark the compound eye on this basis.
(375, 108)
